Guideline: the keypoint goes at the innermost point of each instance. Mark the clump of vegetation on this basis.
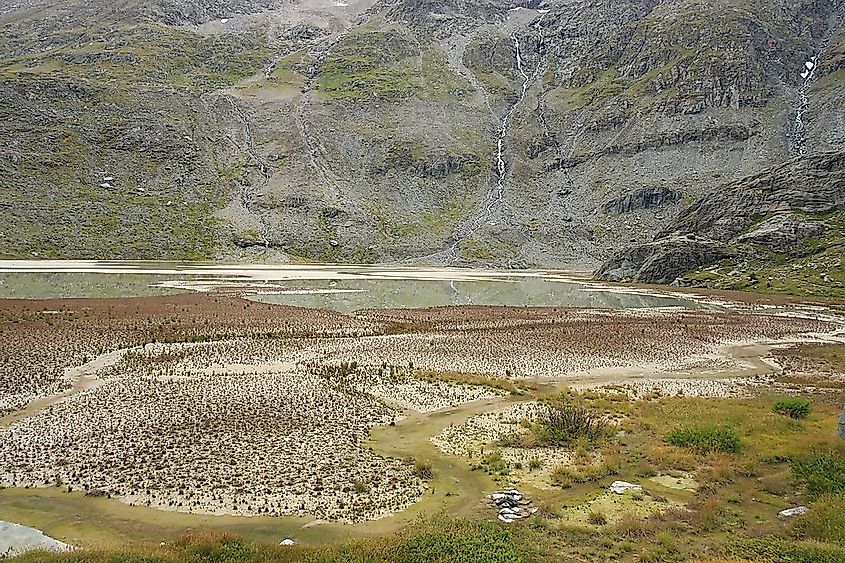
(493, 462)
(586, 472)
(777, 550)
(822, 472)
(206, 547)
(565, 423)
(597, 518)
(423, 469)
(793, 407)
(826, 520)
(705, 439)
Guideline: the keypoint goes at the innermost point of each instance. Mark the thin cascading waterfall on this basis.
(808, 74)
(496, 194)
(799, 141)
(501, 165)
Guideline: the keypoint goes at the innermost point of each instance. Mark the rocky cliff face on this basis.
(500, 132)
(788, 218)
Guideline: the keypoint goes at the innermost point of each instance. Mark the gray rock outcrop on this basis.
(774, 211)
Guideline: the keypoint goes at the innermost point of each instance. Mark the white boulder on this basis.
(793, 512)
(620, 487)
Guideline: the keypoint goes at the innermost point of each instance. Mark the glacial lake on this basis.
(341, 287)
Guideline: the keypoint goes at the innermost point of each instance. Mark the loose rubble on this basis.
(511, 505)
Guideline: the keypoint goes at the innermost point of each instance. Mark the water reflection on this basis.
(351, 295)
(340, 287)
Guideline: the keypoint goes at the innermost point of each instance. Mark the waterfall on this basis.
(799, 140)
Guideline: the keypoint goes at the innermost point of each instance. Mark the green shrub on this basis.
(456, 542)
(423, 469)
(597, 518)
(563, 477)
(493, 462)
(705, 439)
(565, 423)
(793, 407)
(826, 520)
(821, 473)
(223, 547)
(777, 550)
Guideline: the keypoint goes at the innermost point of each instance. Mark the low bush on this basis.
(597, 518)
(565, 475)
(493, 462)
(705, 439)
(423, 469)
(634, 527)
(207, 547)
(821, 473)
(793, 407)
(826, 520)
(566, 423)
(773, 549)
(466, 542)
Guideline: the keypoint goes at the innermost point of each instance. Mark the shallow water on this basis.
(15, 539)
(340, 287)
(528, 292)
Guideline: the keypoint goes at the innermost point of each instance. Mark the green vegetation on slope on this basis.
(385, 65)
(144, 55)
(121, 105)
(816, 268)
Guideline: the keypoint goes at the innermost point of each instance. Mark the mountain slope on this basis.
(541, 133)
(782, 230)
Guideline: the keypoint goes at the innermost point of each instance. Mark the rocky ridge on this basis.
(496, 132)
(786, 213)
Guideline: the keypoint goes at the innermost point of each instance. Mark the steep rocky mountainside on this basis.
(503, 132)
(781, 230)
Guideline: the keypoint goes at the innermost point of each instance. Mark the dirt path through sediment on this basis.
(81, 378)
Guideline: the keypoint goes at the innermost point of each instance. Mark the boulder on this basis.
(793, 512)
(783, 232)
(620, 487)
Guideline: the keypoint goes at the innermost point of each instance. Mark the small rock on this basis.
(792, 512)
(620, 487)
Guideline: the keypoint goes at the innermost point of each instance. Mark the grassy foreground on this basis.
(435, 540)
(745, 460)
